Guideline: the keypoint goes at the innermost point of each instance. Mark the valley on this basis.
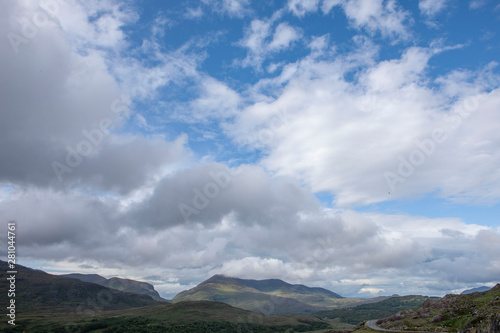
(83, 303)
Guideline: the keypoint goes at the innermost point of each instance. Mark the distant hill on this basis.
(476, 312)
(126, 285)
(475, 290)
(266, 296)
(382, 309)
(37, 291)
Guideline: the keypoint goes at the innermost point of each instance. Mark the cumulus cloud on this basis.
(208, 193)
(216, 100)
(373, 16)
(350, 249)
(301, 7)
(62, 134)
(345, 140)
(378, 16)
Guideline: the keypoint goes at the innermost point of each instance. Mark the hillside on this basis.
(266, 296)
(478, 312)
(127, 285)
(37, 291)
(188, 317)
(382, 309)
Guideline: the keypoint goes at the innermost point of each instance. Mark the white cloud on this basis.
(378, 16)
(372, 292)
(216, 100)
(301, 7)
(262, 268)
(341, 137)
(283, 36)
(383, 16)
(432, 7)
(261, 42)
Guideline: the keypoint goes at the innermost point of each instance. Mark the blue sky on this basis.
(347, 144)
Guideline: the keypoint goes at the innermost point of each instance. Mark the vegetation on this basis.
(478, 312)
(377, 310)
(201, 316)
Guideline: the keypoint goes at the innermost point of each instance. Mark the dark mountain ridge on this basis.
(37, 291)
(127, 285)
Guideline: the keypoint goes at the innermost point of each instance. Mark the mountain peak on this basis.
(251, 294)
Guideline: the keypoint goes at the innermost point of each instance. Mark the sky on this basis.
(345, 144)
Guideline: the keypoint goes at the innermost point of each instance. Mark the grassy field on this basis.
(181, 317)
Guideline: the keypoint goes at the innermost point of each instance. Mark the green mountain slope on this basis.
(37, 291)
(127, 285)
(479, 312)
(265, 296)
(382, 309)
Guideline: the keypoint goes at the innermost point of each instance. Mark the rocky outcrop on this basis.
(471, 313)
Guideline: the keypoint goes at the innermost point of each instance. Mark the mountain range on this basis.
(271, 296)
(475, 290)
(52, 303)
(117, 283)
(81, 303)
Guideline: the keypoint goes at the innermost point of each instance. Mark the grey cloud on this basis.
(452, 233)
(207, 193)
(60, 104)
(56, 218)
